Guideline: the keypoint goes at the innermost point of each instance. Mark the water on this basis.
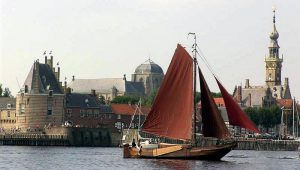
(25, 157)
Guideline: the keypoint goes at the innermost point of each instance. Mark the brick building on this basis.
(7, 113)
(268, 94)
(86, 110)
(41, 102)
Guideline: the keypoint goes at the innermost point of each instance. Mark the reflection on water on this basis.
(173, 164)
(20, 157)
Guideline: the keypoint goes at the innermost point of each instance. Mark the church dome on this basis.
(148, 67)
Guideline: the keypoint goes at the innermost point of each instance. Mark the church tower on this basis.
(273, 62)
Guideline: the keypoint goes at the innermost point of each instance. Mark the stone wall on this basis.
(32, 111)
(7, 119)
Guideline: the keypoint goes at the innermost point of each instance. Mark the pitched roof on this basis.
(126, 109)
(82, 100)
(105, 85)
(287, 103)
(219, 101)
(135, 88)
(7, 100)
(46, 79)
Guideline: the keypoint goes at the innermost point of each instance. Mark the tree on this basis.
(1, 90)
(267, 117)
(125, 99)
(252, 112)
(6, 92)
(148, 101)
(102, 99)
(216, 94)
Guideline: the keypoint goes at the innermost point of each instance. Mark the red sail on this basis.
(235, 114)
(213, 124)
(171, 113)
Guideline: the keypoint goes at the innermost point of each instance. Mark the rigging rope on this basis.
(206, 62)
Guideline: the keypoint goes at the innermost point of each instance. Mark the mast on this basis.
(294, 118)
(194, 47)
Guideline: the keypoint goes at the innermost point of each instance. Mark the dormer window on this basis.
(8, 106)
(50, 93)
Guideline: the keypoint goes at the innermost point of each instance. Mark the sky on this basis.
(109, 38)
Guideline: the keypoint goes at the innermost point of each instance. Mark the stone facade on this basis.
(41, 102)
(268, 94)
(146, 78)
(109, 88)
(7, 114)
(150, 74)
(36, 111)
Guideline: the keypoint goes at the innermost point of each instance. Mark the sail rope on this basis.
(138, 108)
(132, 118)
(203, 58)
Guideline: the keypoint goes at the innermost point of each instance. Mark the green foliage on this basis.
(6, 92)
(102, 99)
(148, 101)
(1, 90)
(267, 117)
(252, 112)
(197, 97)
(214, 94)
(125, 99)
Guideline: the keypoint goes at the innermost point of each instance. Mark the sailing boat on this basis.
(172, 113)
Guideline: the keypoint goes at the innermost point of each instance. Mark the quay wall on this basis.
(268, 145)
(64, 136)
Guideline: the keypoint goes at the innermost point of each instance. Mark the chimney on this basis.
(26, 88)
(247, 84)
(51, 61)
(57, 73)
(45, 59)
(73, 78)
(68, 90)
(239, 94)
(93, 92)
(65, 86)
(124, 77)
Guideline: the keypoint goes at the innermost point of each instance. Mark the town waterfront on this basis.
(27, 157)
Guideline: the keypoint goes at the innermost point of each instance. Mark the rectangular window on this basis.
(8, 113)
(69, 112)
(89, 112)
(82, 113)
(50, 106)
(96, 113)
(22, 108)
(49, 112)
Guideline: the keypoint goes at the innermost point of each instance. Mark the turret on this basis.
(273, 62)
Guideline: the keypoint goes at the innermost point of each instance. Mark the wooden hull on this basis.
(181, 152)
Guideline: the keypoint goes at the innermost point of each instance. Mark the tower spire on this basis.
(273, 62)
(274, 10)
